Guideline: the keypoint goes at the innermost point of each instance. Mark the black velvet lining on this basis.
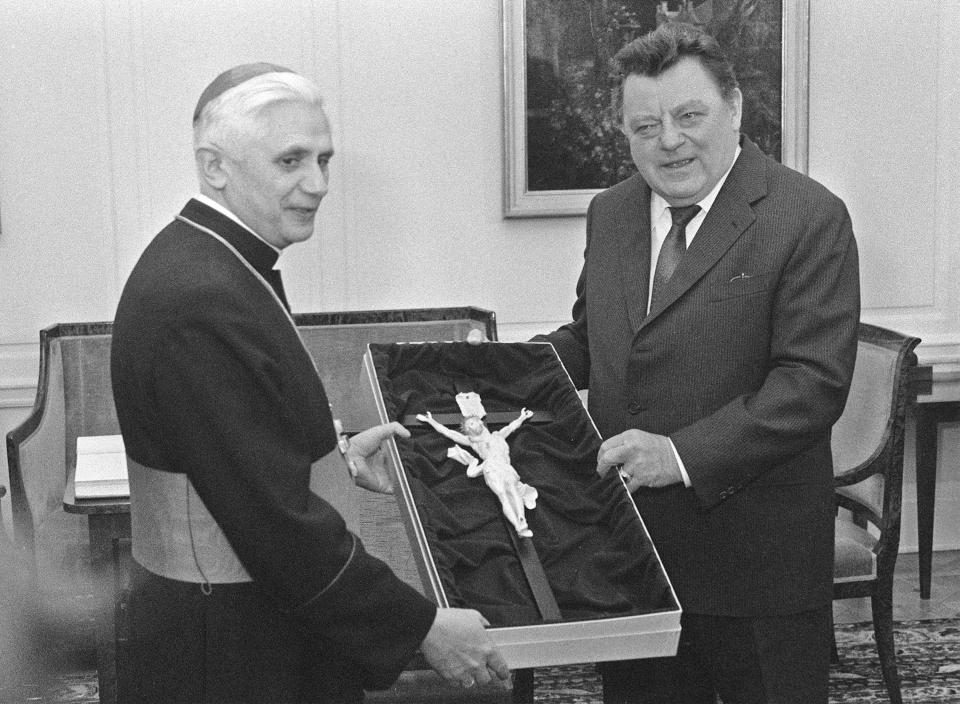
(597, 557)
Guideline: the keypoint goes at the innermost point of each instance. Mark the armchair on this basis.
(73, 398)
(867, 444)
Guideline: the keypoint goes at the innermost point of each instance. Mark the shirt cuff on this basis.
(683, 470)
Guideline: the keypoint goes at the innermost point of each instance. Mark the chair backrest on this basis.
(73, 398)
(867, 440)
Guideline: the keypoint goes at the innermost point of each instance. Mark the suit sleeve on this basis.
(227, 422)
(813, 343)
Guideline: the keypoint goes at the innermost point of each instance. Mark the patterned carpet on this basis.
(928, 659)
(928, 655)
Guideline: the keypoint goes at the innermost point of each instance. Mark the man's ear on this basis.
(210, 167)
(736, 108)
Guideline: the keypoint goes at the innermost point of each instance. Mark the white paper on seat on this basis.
(101, 467)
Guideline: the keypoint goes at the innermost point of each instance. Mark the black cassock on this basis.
(211, 380)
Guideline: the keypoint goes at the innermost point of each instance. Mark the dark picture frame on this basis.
(562, 144)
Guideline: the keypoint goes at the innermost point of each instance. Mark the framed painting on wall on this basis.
(562, 141)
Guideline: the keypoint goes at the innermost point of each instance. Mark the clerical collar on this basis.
(223, 210)
(260, 253)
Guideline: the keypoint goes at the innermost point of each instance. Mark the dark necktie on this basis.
(273, 278)
(671, 252)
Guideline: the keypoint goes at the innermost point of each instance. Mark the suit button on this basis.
(634, 408)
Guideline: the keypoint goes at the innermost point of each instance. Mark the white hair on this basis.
(232, 115)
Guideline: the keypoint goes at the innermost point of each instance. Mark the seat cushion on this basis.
(854, 559)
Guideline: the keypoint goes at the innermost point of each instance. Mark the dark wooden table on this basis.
(929, 415)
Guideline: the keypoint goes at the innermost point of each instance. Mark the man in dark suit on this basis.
(716, 366)
(245, 586)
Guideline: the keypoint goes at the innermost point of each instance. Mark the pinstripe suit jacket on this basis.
(745, 364)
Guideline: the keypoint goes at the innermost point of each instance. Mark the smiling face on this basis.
(276, 176)
(683, 134)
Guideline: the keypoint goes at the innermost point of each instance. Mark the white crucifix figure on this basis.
(498, 473)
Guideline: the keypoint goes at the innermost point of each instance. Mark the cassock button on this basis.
(634, 408)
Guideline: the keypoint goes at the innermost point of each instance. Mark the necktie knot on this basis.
(683, 214)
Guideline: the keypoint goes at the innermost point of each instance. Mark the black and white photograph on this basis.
(500, 351)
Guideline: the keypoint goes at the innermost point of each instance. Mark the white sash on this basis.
(172, 532)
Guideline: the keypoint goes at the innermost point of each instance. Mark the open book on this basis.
(101, 467)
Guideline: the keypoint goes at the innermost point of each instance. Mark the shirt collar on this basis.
(658, 203)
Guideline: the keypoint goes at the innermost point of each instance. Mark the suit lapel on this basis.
(633, 238)
(730, 215)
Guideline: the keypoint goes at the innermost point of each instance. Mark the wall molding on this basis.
(19, 365)
(944, 354)
(17, 395)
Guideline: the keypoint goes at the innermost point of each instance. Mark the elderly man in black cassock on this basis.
(245, 586)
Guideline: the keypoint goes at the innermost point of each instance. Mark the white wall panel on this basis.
(56, 252)
(885, 112)
(423, 96)
(862, 146)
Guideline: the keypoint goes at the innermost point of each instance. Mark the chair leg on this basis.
(834, 653)
(122, 628)
(882, 604)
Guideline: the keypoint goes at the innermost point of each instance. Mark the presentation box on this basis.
(588, 585)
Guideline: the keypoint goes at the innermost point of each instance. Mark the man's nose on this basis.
(316, 180)
(670, 136)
